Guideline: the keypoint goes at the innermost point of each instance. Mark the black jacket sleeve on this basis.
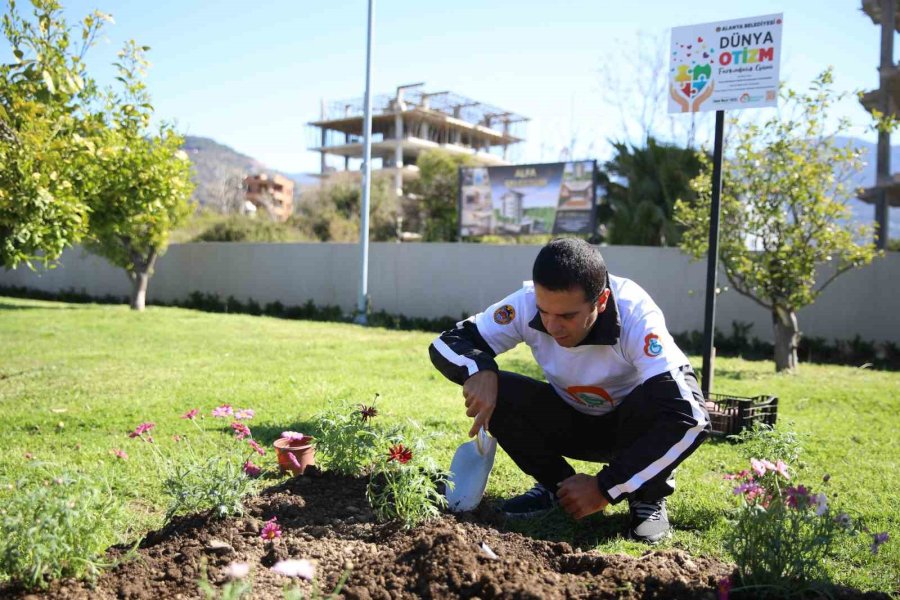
(461, 352)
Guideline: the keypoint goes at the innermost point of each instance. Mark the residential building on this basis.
(273, 193)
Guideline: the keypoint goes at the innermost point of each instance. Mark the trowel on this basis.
(469, 471)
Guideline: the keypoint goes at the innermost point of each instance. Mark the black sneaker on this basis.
(649, 521)
(536, 501)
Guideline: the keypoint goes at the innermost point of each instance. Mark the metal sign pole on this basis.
(712, 264)
(362, 306)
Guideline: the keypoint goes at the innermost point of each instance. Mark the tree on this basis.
(641, 211)
(331, 212)
(437, 190)
(140, 181)
(43, 97)
(784, 213)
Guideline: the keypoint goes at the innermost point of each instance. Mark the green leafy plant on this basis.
(778, 443)
(782, 534)
(406, 484)
(55, 526)
(218, 481)
(218, 484)
(346, 439)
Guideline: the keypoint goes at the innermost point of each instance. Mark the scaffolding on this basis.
(411, 121)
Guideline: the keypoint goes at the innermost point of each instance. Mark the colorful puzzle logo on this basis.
(691, 81)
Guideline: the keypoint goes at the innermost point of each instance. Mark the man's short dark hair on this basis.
(567, 263)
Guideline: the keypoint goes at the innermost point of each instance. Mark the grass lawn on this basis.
(75, 379)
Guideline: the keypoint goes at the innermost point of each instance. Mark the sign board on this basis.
(556, 198)
(725, 65)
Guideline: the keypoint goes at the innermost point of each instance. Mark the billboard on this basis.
(553, 198)
(725, 65)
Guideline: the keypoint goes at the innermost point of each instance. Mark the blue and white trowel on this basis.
(469, 471)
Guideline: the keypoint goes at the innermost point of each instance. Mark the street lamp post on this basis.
(363, 302)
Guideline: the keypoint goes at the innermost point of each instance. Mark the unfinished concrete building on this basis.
(410, 122)
(886, 101)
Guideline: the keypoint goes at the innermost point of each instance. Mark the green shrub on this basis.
(57, 526)
(218, 484)
(778, 443)
(782, 535)
(406, 485)
(346, 441)
(244, 229)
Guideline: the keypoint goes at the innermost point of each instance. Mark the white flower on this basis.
(821, 504)
(295, 568)
(237, 570)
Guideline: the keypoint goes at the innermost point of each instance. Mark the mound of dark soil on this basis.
(326, 519)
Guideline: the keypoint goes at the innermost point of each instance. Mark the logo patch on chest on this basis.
(590, 395)
(504, 315)
(652, 347)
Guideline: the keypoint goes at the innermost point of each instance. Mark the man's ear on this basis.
(601, 300)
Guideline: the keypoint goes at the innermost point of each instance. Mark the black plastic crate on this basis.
(730, 414)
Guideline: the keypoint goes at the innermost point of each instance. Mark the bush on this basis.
(346, 440)
(219, 484)
(778, 443)
(244, 229)
(196, 483)
(56, 526)
(405, 485)
(781, 535)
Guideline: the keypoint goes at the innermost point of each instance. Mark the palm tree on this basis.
(642, 186)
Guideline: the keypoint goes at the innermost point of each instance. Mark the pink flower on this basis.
(271, 530)
(245, 414)
(758, 467)
(223, 411)
(190, 414)
(177, 438)
(296, 568)
(878, 539)
(120, 454)
(293, 436)
(293, 459)
(240, 430)
(259, 449)
(797, 496)
(724, 588)
(251, 470)
(141, 429)
(781, 469)
(237, 570)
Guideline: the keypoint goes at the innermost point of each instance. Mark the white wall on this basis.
(435, 280)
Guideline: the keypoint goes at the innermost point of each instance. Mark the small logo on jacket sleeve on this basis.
(504, 315)
(652, 347)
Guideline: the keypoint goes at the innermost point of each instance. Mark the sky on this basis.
(252, 75)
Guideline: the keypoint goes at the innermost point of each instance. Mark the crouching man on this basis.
(618, 391)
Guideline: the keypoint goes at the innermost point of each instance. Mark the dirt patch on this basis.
(326, 519)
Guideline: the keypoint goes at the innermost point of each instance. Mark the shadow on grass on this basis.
(6, 306)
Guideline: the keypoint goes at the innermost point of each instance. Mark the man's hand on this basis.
(480, 392)
(580, 496)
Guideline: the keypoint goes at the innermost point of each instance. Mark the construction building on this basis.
(886, 101)
(272, 193)
(410, 122)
